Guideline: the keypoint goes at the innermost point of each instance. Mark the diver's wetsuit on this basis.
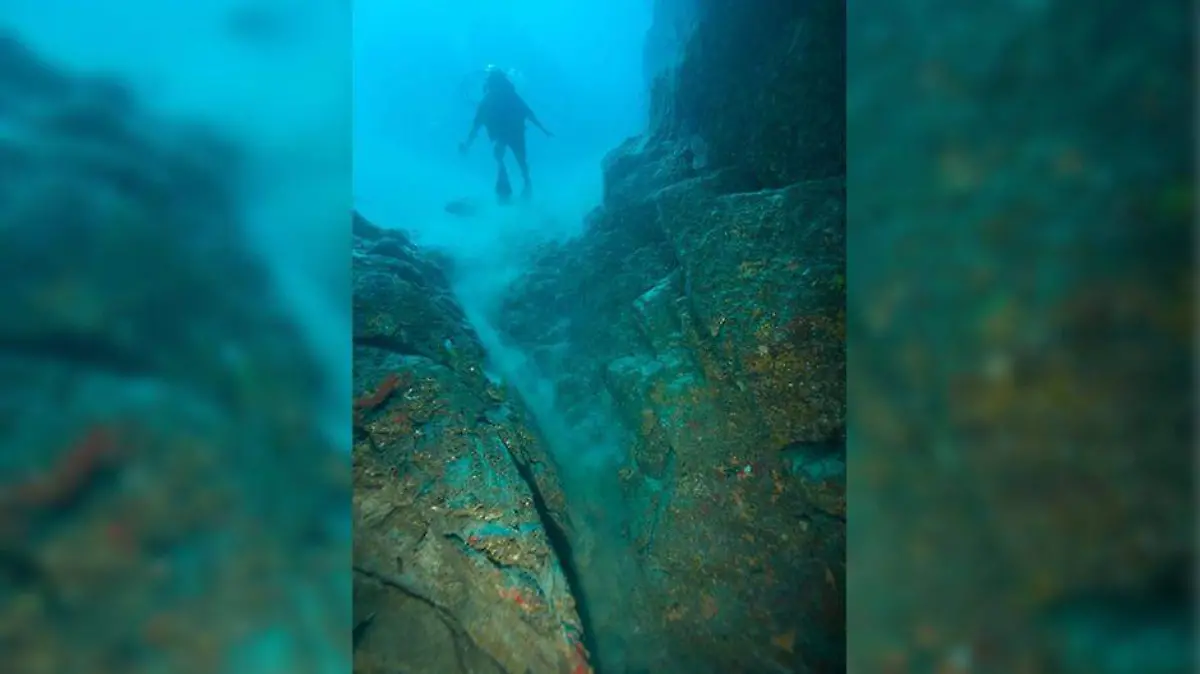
(503, 113)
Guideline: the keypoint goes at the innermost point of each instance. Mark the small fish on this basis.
(463, 207)
(260, 23)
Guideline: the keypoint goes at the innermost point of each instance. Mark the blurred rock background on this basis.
(1021, 191)
(172, 498)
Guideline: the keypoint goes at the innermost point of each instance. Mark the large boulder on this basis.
(1023, 332)
(461, 554)
(726, 375)
(167, 500)
(759, 91)
(700, 320)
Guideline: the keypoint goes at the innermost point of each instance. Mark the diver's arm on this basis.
(475, 125)
(534, 120)
(538, 124)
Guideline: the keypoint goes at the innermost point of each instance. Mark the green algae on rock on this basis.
(168, 499)
(703, 309)
(457, 507)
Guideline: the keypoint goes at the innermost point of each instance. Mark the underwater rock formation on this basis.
(459, 518)
(703, 309)
(1025, 386)
(167, 500)
(759, 91)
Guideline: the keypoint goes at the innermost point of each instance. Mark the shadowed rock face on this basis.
(167, 502)
(704, 311)
(1025, 387)
(758, 92)
(460, 521)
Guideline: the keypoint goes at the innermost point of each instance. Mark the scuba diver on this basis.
(504, 113)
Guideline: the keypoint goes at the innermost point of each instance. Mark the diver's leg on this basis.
(518, 149)
(503, 187)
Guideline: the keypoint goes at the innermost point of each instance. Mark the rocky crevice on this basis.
(703, 313)
(698, 323)
(454, 492)
(559, 540)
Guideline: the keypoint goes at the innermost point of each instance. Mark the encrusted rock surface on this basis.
(459, 515)
(1023, 336)
(167, 502)
(703, 312)
(758, 91)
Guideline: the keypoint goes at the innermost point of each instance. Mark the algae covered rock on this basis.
(402, 302)
(700, 320)
(766, 289)
(459, 516)
(167, 500)
(755, 94)
(1024, 385)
